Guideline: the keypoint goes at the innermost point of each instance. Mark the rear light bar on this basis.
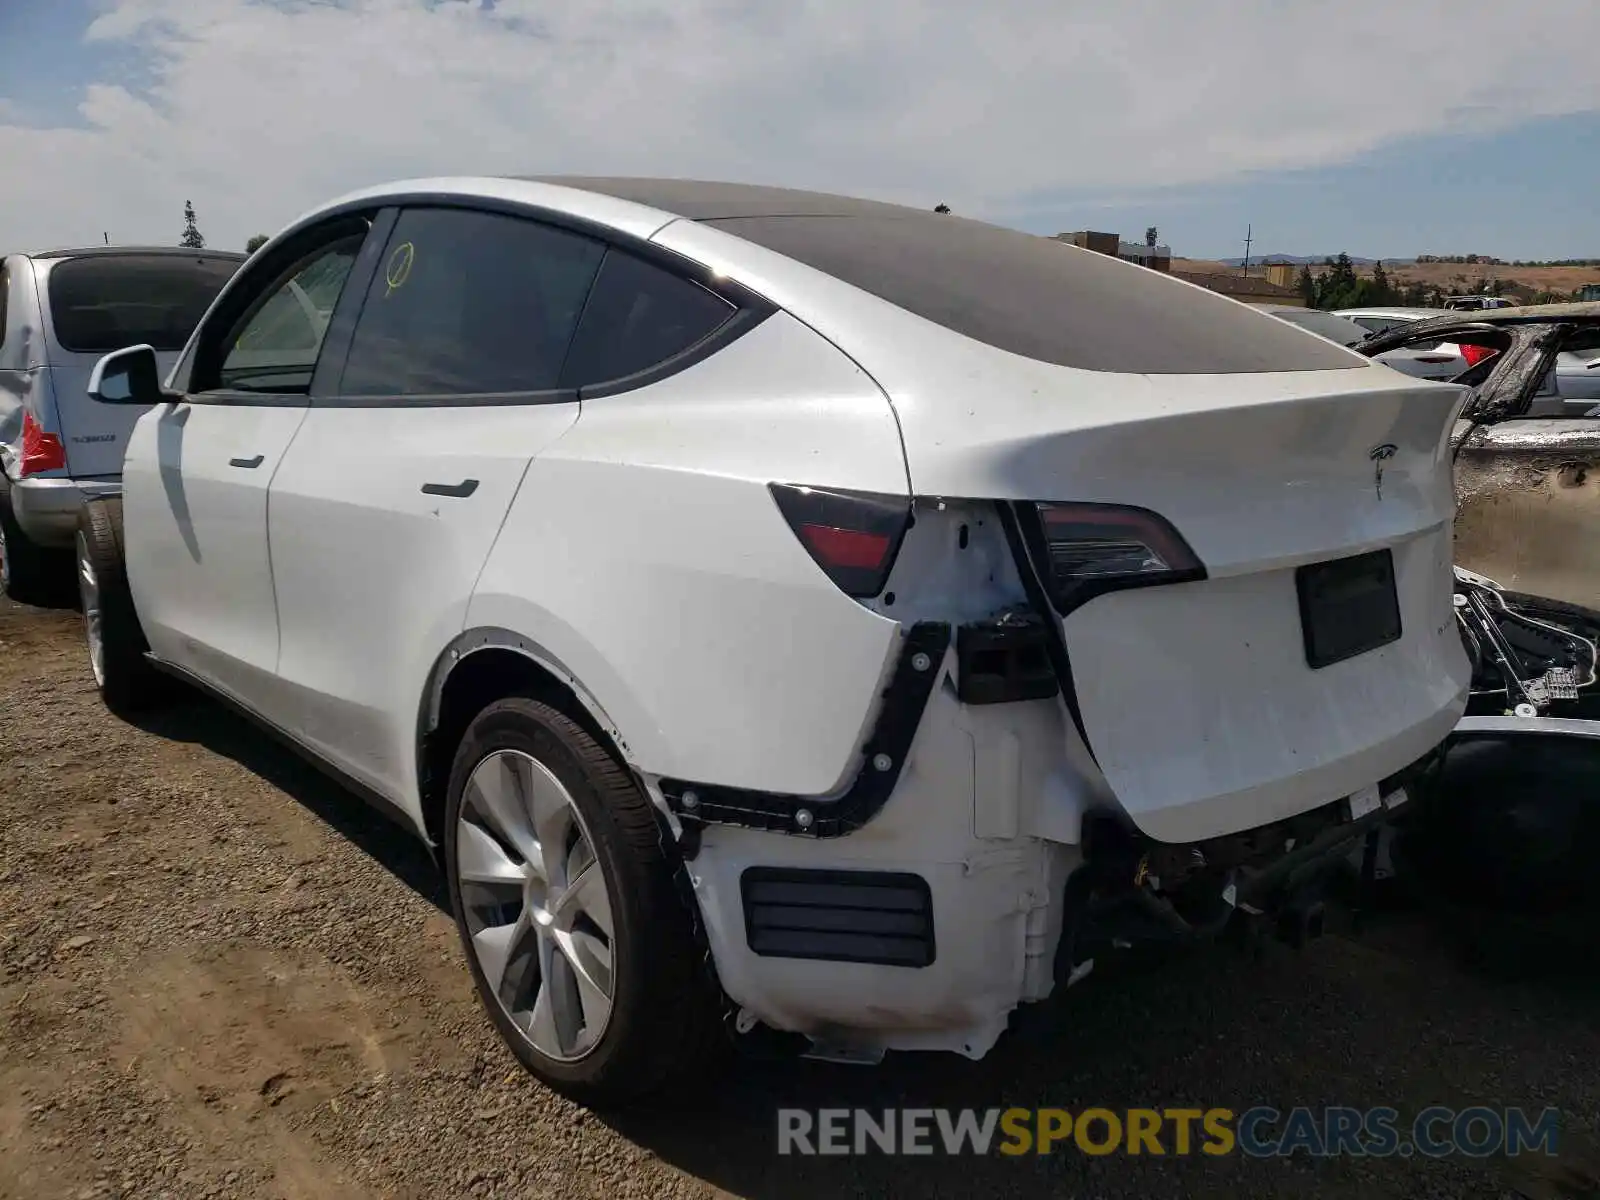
(1086, 550)
(41, 451)
(852, 536)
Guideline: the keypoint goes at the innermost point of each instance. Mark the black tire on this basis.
(665, 1021)
(32, 574)
(127, 681)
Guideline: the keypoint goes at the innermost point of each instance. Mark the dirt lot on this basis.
(220, 977)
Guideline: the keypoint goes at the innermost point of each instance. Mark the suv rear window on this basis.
(101, 303)
(1039, 298)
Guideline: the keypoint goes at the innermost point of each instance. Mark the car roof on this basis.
(711, 200)
(142, 251)
(1030, 296)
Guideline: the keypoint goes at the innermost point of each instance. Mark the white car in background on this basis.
(786, 610)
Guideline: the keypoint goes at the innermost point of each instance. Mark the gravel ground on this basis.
(222, 977)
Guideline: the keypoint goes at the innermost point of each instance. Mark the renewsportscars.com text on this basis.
(1258, 1132)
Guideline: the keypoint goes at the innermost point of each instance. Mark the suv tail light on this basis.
(1091, 549)
(853, 536)
(41, 451)
(1476, 354)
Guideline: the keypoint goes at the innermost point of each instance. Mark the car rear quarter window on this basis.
(1040, 298)
(638, 316)
(470, 303)
(101, 303)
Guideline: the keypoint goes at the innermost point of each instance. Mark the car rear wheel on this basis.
(29, 573)
(111, 627)
(565, 900)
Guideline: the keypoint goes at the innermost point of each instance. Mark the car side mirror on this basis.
(130, 376)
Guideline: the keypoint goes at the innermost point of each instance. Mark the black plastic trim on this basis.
(1004, 660)
(904, 701)
(879, 917)
(1033, 587)
(230, 399)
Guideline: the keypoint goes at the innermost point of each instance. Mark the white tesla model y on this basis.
(787, 612)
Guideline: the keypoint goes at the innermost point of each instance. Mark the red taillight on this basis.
(1476, 354)
(853, 536)
(41, 451)
(1097, 548)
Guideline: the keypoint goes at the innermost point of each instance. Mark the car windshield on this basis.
(101, 303)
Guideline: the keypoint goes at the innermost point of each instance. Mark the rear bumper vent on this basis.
(839, 916)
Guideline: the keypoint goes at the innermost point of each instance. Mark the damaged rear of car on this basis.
(1174, 585)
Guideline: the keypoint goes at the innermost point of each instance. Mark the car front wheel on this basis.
(564, 896)
(111, 627)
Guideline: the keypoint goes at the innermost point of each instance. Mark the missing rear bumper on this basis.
(1132, 890)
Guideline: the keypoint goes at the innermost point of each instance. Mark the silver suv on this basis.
(59, 312)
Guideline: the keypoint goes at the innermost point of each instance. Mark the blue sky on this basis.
(1406, 126)
(1530, 192)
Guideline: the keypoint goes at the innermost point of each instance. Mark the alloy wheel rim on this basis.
(537, 904)
(5, 559)
(89, 595)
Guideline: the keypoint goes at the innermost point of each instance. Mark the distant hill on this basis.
(1314, 260)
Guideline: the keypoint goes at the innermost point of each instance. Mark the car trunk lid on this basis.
(1273, 683)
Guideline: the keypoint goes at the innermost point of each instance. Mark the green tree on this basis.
(1306, 285)
(255, 243)
(1382, 292)
(192, 238)
(1339, 287)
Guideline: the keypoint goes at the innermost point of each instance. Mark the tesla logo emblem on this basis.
(1380, 455)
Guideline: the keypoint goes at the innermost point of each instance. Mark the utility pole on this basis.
(107, 237)
(1245, 268)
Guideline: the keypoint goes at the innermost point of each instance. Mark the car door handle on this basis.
(459, 490)
(249, 464)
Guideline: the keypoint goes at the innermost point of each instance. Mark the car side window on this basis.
(274, 348)
(470, 303)
(5, 288)
(639, 315)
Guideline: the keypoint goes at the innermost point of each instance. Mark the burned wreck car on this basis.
(1521, 820)
(1526, 449)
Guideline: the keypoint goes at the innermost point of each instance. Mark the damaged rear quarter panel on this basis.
(1528, 506)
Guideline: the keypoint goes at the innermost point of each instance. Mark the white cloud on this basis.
(261, 109)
